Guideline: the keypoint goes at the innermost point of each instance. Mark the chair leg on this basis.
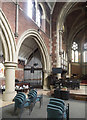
(41, 100)
(68, 111)
(30, 108)
(21, 111)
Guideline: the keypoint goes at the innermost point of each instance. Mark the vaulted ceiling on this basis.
(76, 22)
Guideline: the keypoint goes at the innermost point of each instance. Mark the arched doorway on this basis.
(33, 40)
(10, 58)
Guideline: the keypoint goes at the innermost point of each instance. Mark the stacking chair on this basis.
(54, 113)
(55, 106)
(21, 102)
(59, 104)
(34, 97)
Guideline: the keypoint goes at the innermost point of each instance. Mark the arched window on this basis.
(37, 13)
(31, 9)
(85, 53)
(39, 16)
(74, 52)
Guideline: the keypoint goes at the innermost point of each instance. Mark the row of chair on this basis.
(56, 109)
(21, 101)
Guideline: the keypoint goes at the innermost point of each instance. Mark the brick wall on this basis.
(24, 24)
(19, 74)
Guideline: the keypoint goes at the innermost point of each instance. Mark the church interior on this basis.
(43, 57)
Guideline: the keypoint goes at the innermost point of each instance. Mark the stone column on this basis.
(9, 93)
(45, 83)
(59, 51)
(60, 41)
(69, 61)
(69, 69)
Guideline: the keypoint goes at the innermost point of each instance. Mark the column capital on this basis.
(10, 64)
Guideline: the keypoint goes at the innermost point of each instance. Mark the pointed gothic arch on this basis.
(40, 43)
(8, 40)
(43, 49)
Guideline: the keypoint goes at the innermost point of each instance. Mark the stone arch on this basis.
(45, 55)
(7, 39)
(9, 48)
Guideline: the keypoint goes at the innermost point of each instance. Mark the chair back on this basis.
(56, 99)
(57, 104)
(32, 94)
(54, 113)
(19, 99)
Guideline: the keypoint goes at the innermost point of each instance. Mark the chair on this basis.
(21, 102)
(59, 104)
(54, 113)
(55, 106)
(34, 97)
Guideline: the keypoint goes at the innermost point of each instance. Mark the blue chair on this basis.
(55, 106)
(54, 113)
(21, 102)
(58, 103)
(34, 97)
